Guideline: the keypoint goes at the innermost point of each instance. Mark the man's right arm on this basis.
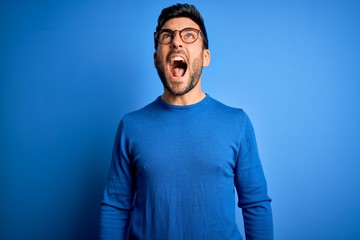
(117, 203)
(113, 223)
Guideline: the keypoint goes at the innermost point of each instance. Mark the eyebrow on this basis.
(166, 29)
(170, 30)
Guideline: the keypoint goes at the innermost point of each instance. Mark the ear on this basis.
(155, 58)
(206, 57)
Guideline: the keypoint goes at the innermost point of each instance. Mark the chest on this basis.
(183, 149)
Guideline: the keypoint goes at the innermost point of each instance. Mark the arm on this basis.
(252, 189)
(117, 204)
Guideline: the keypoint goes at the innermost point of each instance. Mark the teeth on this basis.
(177, 59)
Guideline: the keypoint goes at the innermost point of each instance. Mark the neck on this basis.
(189, 98)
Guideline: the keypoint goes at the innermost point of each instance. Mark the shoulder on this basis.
(139, 119)
(226, 111)
(142, 113)
(235, 121)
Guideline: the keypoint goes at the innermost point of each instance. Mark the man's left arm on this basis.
(251, 187)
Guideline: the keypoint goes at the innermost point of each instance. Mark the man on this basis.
(177, 161)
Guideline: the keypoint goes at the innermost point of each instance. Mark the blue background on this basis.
(70, 69)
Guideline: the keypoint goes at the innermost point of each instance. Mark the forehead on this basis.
(179, 23)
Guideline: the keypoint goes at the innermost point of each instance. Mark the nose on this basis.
(176, 42)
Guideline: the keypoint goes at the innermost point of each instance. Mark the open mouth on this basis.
(178, 66)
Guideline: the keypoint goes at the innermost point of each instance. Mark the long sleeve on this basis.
(252, 188)
(117, 203)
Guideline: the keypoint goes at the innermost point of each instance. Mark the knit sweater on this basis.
(174, 172)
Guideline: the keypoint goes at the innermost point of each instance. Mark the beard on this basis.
(195, 74)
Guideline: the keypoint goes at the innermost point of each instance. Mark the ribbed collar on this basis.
(168, 106)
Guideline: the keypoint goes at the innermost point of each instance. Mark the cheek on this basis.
(161, 52)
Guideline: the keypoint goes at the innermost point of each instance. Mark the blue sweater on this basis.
(174, 171)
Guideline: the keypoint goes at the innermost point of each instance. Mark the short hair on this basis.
(182, 10)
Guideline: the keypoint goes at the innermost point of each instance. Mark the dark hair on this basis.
(182, 10)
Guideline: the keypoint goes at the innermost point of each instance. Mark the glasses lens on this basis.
(189, 35)
(165, 37)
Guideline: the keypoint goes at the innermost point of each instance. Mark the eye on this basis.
(165, 36)
(189, 35)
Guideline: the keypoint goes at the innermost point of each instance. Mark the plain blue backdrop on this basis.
(71, 69)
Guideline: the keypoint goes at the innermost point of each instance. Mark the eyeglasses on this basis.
(187, 35)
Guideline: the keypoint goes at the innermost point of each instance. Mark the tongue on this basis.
(178, 72)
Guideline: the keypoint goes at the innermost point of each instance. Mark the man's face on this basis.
(180, 64)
